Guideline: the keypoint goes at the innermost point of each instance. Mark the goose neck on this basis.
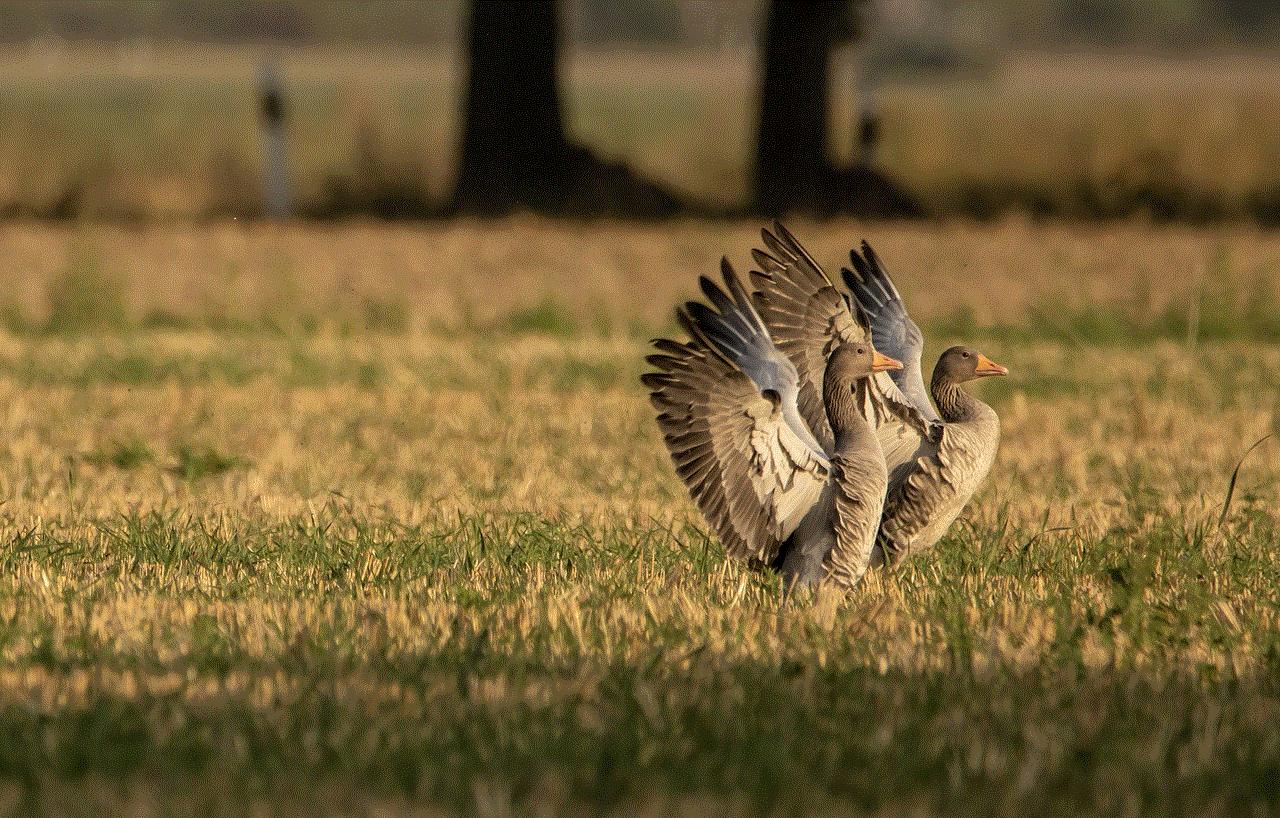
(954, 404)
(847, 423)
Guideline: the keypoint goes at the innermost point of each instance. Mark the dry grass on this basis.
(285, 554)
(623, 280)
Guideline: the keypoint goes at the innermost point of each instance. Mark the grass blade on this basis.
(1231, 486)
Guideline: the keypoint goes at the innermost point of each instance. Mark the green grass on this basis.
(1257, 320)
(527, 661)
(447, 569)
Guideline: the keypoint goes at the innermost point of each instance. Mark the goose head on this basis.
(850, 362)
(962, 363)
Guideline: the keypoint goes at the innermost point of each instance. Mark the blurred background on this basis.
(1065, 109)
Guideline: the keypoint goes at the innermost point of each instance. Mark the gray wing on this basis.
(921, 487)
(927, 493)
(892, 330)
(808, 316)
(902, 443)
(726, 407)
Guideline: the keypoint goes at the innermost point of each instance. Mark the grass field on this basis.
(375, 521)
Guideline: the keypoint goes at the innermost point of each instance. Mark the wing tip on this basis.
(655, 381)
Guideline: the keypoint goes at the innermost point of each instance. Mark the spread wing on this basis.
(902, 443)
(808, 316)
(726, 407)
(892, 330)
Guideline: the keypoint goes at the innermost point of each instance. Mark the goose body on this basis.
(728, 403)
(932, 486)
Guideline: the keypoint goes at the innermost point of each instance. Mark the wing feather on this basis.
(726, 407)
(892, 330)
(808, 315)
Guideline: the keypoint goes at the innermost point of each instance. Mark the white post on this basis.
(276, 193)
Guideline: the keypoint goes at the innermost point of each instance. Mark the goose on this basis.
(727, 403)
(936, 459)
(931, 478)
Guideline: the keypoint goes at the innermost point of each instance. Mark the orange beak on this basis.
(880, 363)
(986, 366)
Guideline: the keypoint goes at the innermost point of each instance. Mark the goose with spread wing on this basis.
(930, 479)
(728, 407)
(936, 459)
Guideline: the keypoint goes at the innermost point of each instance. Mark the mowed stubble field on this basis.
(375, 520)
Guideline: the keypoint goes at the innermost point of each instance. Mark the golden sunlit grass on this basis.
(284, 550)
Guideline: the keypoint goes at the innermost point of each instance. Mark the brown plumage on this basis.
(929, 488)
(931, 476)
(936, 458)
(727, 404)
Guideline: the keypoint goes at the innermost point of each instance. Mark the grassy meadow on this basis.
(364, 520)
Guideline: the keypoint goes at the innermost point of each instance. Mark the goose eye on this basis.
(861, 351)
(964, 355)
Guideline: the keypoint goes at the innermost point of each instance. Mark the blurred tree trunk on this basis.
(791, 142)
(792, 168)
(514, 151)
